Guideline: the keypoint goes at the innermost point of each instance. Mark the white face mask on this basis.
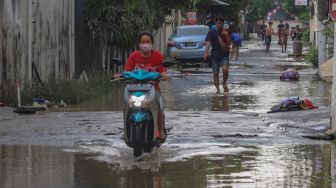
(146, 47)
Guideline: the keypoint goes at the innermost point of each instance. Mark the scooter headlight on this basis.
(137, 101)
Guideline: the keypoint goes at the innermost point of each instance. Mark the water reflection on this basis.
(269, 166)
(35, 167)
(264, 166)
(252, 93)
(219, 103)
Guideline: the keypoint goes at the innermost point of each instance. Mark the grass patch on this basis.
(70, 91)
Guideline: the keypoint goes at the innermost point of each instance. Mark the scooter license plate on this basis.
(140, 87)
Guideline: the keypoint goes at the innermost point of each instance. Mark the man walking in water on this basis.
(281, 26)
(219, 40)
(268, 35)
(263, 31)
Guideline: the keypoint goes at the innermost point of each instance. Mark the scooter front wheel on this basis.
(137, 152)
(148, 148)
(138, 139)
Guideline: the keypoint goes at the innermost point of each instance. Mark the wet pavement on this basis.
(217, 140)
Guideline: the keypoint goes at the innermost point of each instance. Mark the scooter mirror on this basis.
(167, 63)
(116, 61)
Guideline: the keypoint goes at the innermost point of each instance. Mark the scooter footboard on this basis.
(139, 129)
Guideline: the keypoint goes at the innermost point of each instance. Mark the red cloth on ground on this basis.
(309, 104)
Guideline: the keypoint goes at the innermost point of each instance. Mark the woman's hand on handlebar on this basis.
(164, 76)
(117, 75)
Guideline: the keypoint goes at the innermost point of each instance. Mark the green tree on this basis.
(115, 22)
(258, 9)
(234, 9)
(302, 12)
(230, 13)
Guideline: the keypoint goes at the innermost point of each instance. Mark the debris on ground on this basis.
(28, 109)
(320, 137)
(247, 65)
(62, 104)
(293, 104)
(290, 75)
(238, 135)
(40, 102)
(83, 78)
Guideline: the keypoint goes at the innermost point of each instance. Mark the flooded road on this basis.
(254, 93)
(224, 140)
(259, 166)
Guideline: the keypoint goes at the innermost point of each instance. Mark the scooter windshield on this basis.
(141, 75)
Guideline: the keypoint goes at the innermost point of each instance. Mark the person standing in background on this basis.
(284, 38)
(281, 26)
(268, 35)
(236, 43)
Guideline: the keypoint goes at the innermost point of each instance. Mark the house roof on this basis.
(278, 13)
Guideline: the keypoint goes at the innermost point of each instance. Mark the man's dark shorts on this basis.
(268, 40)
(236, 45)
(217, 63)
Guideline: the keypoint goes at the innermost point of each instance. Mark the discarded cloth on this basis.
(293, 104)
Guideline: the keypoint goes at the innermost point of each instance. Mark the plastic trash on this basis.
(293, 104)
(289, 75)
(40, 102)
(62, 104)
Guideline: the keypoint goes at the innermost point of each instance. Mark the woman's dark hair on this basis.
(287, 25)
(146, 33)
(219, 18)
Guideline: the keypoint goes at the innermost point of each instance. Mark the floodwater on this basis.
(202, 150)
(224, 166)
(254, 93)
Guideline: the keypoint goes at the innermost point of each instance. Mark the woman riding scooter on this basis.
(150, 60)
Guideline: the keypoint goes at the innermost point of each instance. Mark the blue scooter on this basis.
(142, 103)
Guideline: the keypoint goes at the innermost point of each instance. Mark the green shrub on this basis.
(312, 56)
(70, 91)
(305, 36)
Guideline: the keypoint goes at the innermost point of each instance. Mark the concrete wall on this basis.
(161, 38)
(38, 32)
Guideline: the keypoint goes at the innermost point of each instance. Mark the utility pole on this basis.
(333, 92)
(332, 14)
(311, 21)
(321, 36)
(322, 41)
